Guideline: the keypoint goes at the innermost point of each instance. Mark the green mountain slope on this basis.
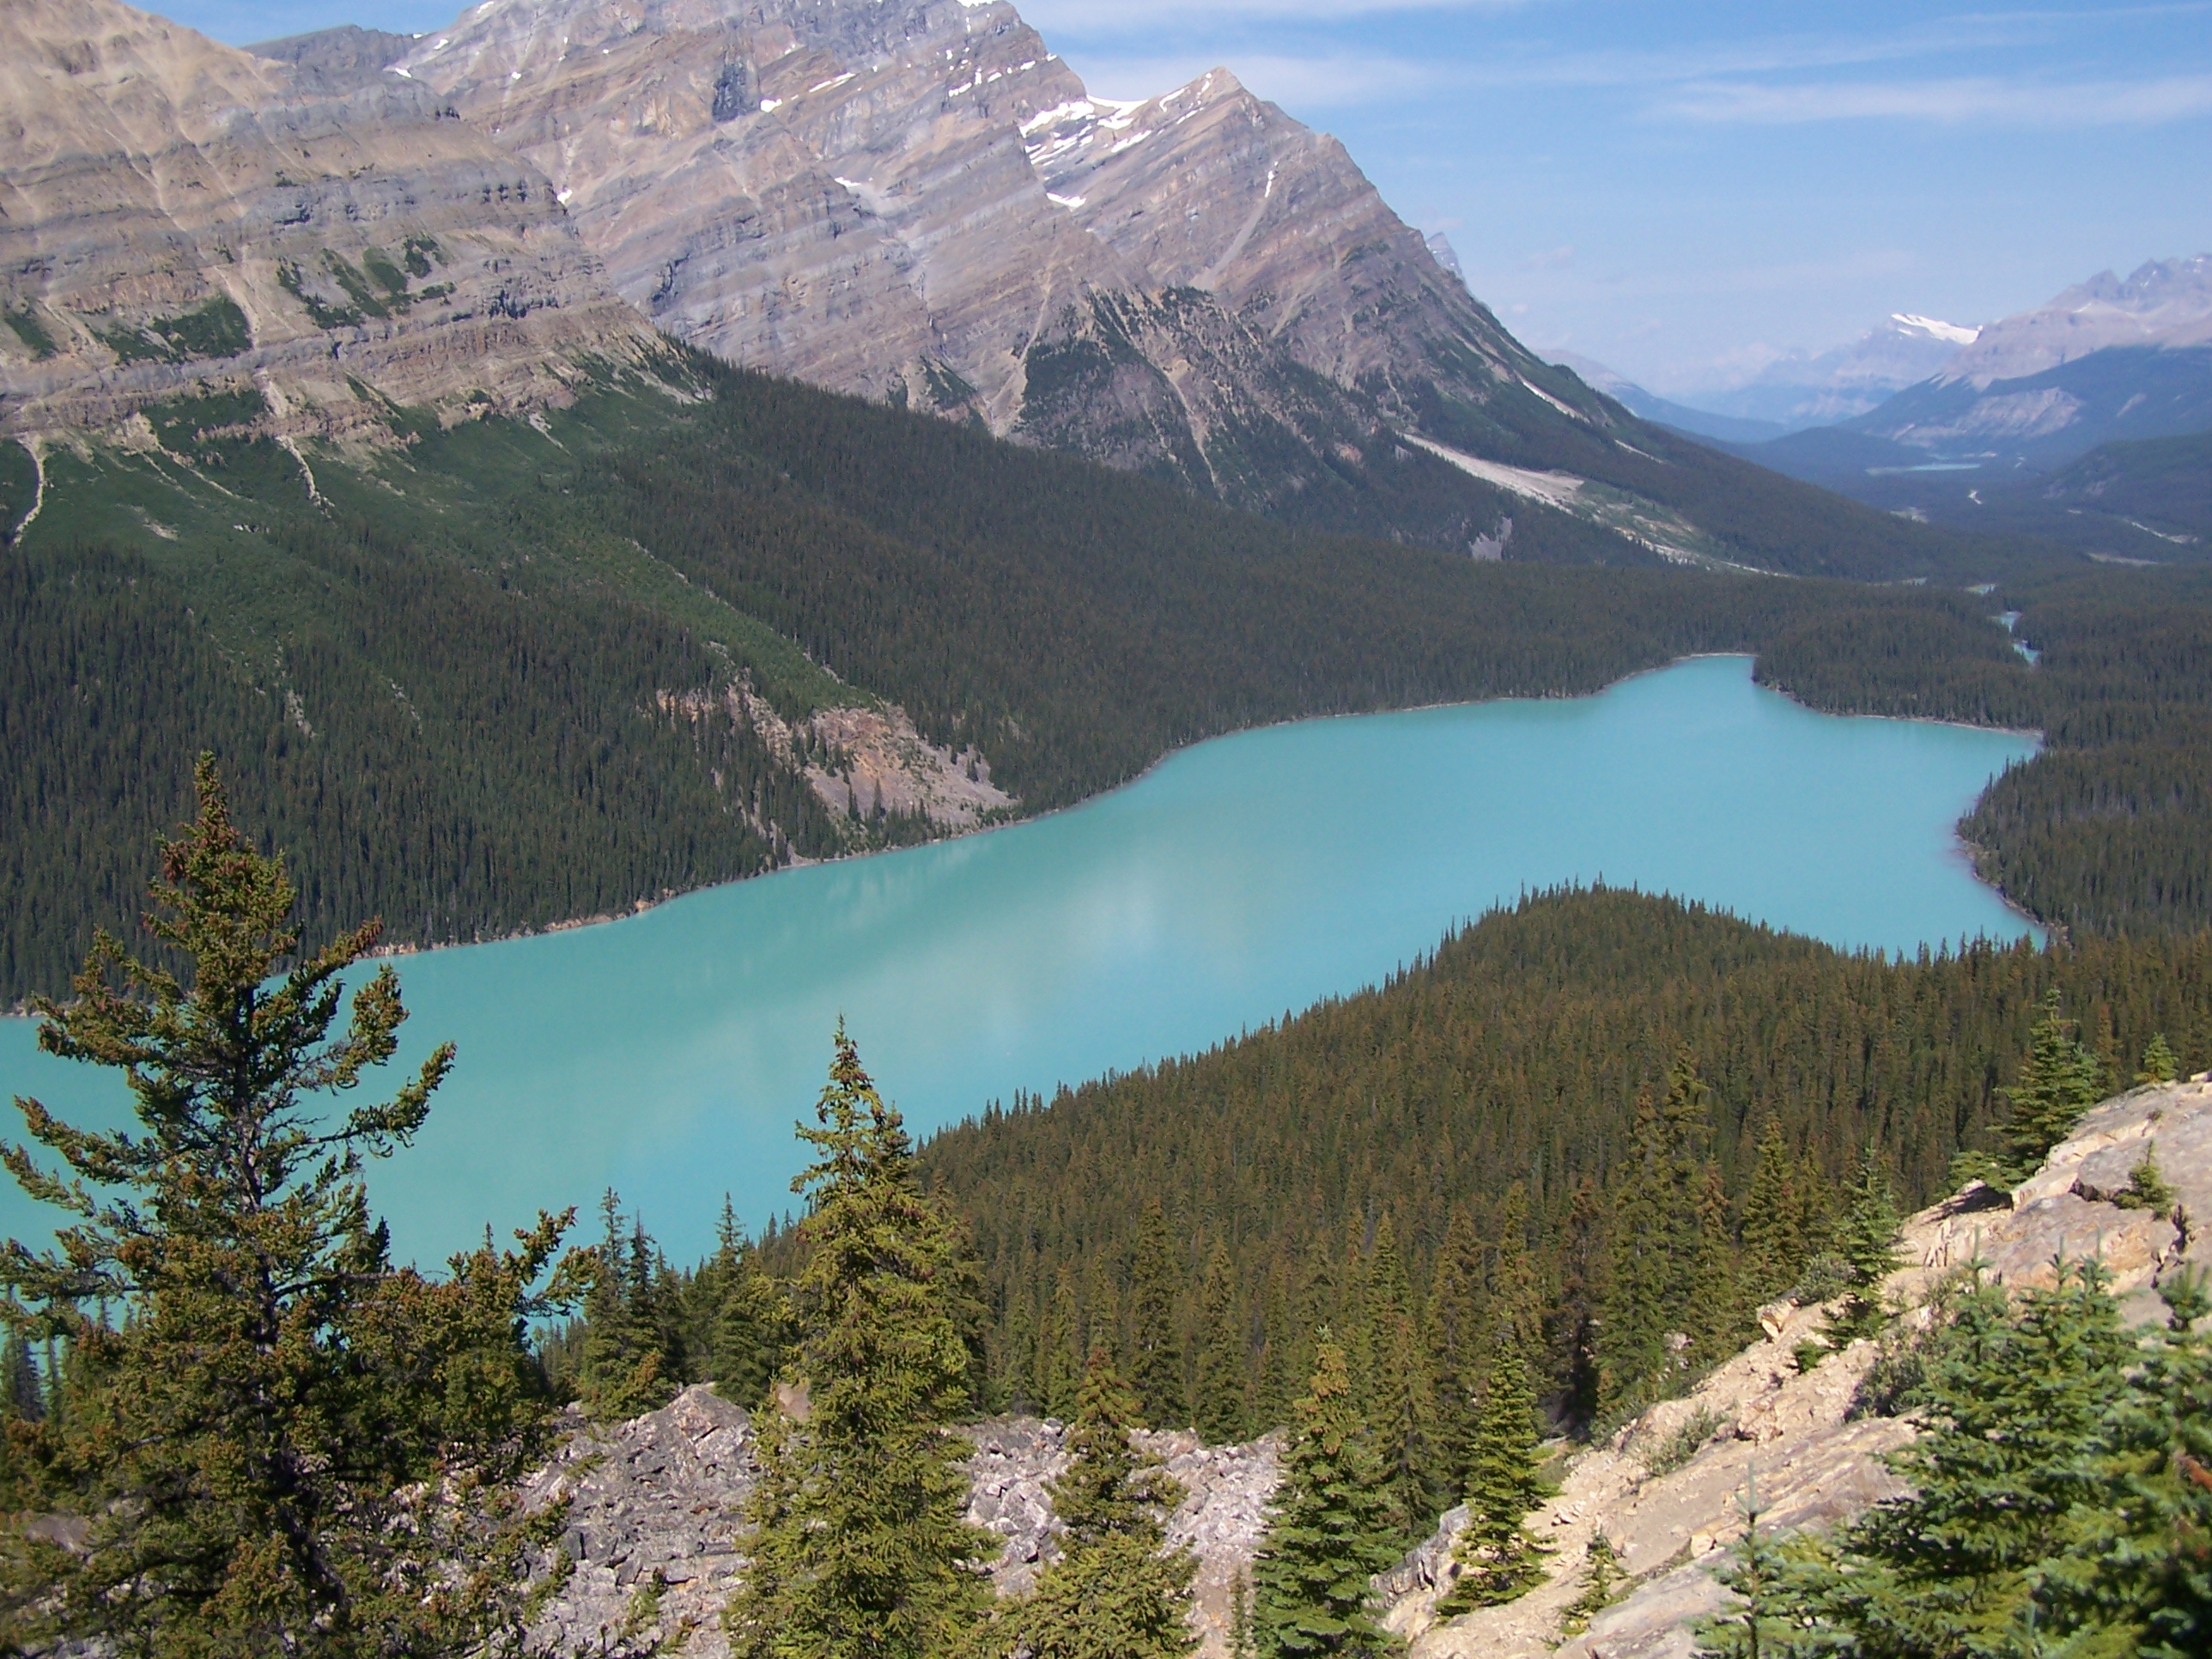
(513, 672)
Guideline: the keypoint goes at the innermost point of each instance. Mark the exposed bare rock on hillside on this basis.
(662, 1495)
(863, 757)
(2069, 1207)
(653, 1520)
(1226, 1491)
(175, 213)
(1759, 1412)
(924, 206)
(655, 1507)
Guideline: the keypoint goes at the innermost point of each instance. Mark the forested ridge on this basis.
(1497, 1083)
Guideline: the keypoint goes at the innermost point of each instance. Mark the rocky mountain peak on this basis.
(175, 214)
(2164, 302)
(923, 204)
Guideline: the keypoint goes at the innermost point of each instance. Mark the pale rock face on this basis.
(1792, 1431)
(1209, 187)
(837, 193)
(2164, 303)
(655, 1520)
(922, 204)
(148, 174)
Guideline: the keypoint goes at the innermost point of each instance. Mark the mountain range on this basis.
(921, 205)
(2109, 380)
(1800, 389)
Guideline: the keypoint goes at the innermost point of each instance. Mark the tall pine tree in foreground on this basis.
(1114, 1593)
(1499, 1558)
(245, 1445)
(1331, 1531)
(860, 1548)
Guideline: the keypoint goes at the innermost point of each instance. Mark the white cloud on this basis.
(1951, 102)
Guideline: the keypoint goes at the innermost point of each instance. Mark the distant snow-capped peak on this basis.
(1935, 329)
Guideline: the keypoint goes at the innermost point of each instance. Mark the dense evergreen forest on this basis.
(461, 683)
(1596, 1119)
(2109, 829)
(451, 686)
(1494, 1093)
(229, 1423)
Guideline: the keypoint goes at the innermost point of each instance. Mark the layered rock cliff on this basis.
(923, 204)
(175, 213)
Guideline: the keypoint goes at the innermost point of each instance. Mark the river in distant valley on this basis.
(668, 1054)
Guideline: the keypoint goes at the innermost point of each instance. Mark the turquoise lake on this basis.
(668, 1054)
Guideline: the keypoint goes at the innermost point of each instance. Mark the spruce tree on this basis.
(1867, 1242)
(1114, 1593)
(1499, 1558)
(1156, 1323)
(745, 1339)
(1222, 1353)
(1660, 1255)
(1331, 1530)
(859, 1549)
(284, 1444)
(1583, 1292)
(1716, 1320)
(2159, 1063)
(624, 1370)
(1396, 1398)
(1057, 1378)
(2059, 1081)
(1517, 1283)
(1458, 1301)
(1773, 1221)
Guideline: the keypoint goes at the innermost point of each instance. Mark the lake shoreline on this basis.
(645, 907)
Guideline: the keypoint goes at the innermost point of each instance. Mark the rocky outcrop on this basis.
(1221, 1519)
(176, 215)
(862, 758)
(1666, 1491)
(654, 1536)
(652, 1520)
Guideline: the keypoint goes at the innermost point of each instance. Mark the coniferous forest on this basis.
(461, 692)
(1564, 1160)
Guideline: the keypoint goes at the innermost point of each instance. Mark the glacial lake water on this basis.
(668, 1054)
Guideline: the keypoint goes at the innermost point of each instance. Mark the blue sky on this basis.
(1678, 189)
